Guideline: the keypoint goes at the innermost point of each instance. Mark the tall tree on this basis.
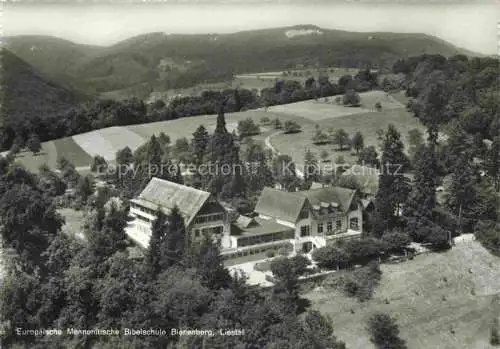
(341, 138)
(172, 247)
(493, 162)
(34, 144)
(226, 177)
(158, 235)
(285, 174)
(419, 207)
(258, 172)
(415, 141)
(311, 168)
(357, 142)
(393, 186)
(369, 157)
(199, 144)
(462, 191)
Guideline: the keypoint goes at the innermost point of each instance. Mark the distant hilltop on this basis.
(302, 32)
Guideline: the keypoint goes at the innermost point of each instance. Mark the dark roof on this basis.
(167, 195)
(280, 204)
(329, 196)
(260, 226)
(287, 205)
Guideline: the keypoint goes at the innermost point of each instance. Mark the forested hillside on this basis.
(176, 61)
(30, 100)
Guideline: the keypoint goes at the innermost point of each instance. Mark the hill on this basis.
(28, 96)
(440, 300)
(165, 61)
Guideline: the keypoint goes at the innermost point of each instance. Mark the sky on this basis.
(471, 26)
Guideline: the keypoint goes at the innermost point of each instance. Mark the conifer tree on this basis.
(226, 179)
(158, 235)
(173, 245)
(311, 171)
(393, 185)
(462, 191)
(421, 202)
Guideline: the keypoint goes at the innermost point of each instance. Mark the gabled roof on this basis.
(259, 227)
(167, 195)
(287, 205)
(244, 221)
(280, 204)
(329, 196)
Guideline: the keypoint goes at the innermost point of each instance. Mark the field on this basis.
(442, 301)
(106, 142)
(327, 115)
(81, 148)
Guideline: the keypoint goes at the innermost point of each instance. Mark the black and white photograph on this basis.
(250, 174)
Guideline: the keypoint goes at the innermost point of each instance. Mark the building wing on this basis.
(280, 204)
(167, 195)
(329, 196)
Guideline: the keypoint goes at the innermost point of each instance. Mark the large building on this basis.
(298, 221)
(201, 211)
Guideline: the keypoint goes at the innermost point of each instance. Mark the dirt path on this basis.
(275, 151)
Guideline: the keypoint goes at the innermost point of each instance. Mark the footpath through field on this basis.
(275, 151)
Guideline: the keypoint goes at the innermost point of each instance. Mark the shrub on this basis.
(270, 253)
(265, 120)
(351, 98)
(247, 128)
(385, 332)
(292, 127)
(361, 282)
(277, 124)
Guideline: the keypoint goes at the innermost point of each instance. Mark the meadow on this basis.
(81, 148)
(440, 300)
(331, 116)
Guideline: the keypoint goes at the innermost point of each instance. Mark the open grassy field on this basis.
(106, 142)
(33, 162)
(81, 148)
(326, 108)
(441, 301)
(327, 116)
(68, 148)
(186, 126)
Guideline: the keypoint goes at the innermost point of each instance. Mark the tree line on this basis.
(97, 114)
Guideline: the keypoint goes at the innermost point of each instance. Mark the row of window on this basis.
(250, 252)
(305, 230)
(143, 209)
(209, 218)
(211, 231)
(329, 226)
(254, 240)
